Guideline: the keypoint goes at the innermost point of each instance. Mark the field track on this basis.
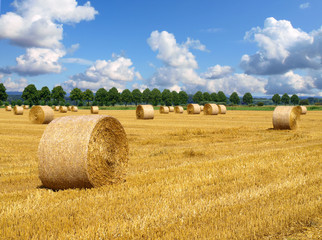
(190, 177)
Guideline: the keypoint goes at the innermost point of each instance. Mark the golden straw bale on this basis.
(178, 109)
(69, 108)
(201, 108)
(41, 114)
(94, 109)
(25, 106)
(286, 117)
(18, 110)
(211, 109)
(144, 112)
(92, 153)
(171, 109)
(74, 109)
(164, 109)
(193, 108)
(56, 108)
(222, 109)
(303, 110)
(8, 108)
(63, 109)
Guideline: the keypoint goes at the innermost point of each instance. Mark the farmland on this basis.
(190, 177)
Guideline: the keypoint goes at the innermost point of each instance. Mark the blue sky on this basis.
(262, 47)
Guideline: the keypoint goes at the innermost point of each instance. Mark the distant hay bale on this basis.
(201, 108)
(8, 108)
(63, 109)
(94, 109)
(18, 110)
(286, 117)
(193, 109)
(56, 108)
(178, 109)
(69, 108)
(74, 109)
(211, 109)
(41, 114)
(303, 110)
(25, 106)
(144, 112)
(171, 109)
(92, 153)
(222, 109)
(164, 109)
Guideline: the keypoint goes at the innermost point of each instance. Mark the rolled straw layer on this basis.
(145, 112)
(211, 109)
(178, 109)
(8, 108)
(94, 109)
(69, 108)
(41, 114)
(303, 110)
(18, 110)
(286, 117)
(164, 109)
(63, 109)
(92, 153)
(171, 109)
(56, 108)
(74, 109)
(193, 109)
(222, 109)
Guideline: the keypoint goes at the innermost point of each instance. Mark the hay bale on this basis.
(303, 110)
(41, 114)
(211, 109)
(171, 109)
(94, 109)
(286, 117)
(56, 108)
(25, 106)
(164, 109)
(193, 108)
(63, 109)
(69, 108)
(144, 112)
(92, 153)
(178, 109)
(201, 108)
(222, 109)
(8, 108)
(74, 109)
(18, 110)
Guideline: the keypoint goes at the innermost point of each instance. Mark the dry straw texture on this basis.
(92, 153)
(144, 112)
(63, 109)
(164, 109)
(74, 109)
(178, 109)
(303, 110)
(56, 108)
(286, 117)
(8, 108)
(94, 109)
(25, 106)
(18, 110)
(41, 114)
(69, 108)
(211, 109)
(193, 109)
(222, 109)
(171, 109)
(201, 108)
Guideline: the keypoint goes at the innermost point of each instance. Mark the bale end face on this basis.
(41, 114)
(18, 110)
(145, 112)
(211, 109)
(94, 110)
(193, 109)
(286, 117)
(164, 109)
(178, 109)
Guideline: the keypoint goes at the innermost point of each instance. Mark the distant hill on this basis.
(14, 93)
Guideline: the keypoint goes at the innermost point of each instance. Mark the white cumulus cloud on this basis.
(14, 86)
(305, 5)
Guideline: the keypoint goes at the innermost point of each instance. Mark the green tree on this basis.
(146, 96)
(136, 96)
(101, 96)
(44, 94)
(197, 97)
(276, 99)
(113, 96)
(234, 98)
(304, 102)
(285, 99)
(214, 97)
(30, 94)
(248, 98)
(88, 96)
(295, 99)
(175, 98)
(76, 95)
(166, 97)
(58, 94)
(206, 97)
(3, 94)
(221, 97)
(156, 96)
(126, 97)
(19, 102)
(183, 97)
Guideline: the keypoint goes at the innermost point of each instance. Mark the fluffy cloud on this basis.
(14, 86)
(305, 5)
(217, 71)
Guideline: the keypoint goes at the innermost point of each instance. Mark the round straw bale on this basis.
(18, 110)
(56, 108)
(8, 108)
(74, 109)
(303, 110)
(41, 114)
(211, 109)
(63, 109)
(193, 108)
(94, 109)
(25, 106)
(164, 109)
(69, 108)
(286, 117)
(144, 112)
(92, 153)
(222, 109)
(178, 109)
(201, 108)
(171, 109)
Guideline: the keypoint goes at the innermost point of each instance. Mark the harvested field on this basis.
(220, 176)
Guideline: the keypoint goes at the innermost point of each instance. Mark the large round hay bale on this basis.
(63, 109)
(164, 109)
(171, 109)
(94, 109)
(178, 109)
(69, 108)
(18, 110)
(303, 109)
(193, 108)
(8, 108)
(201, 108)
(25, 106)
(144, 112)
(92, 153)
(74, 109)
(286, 117)
(56, 108)
(41, 114)
(211, 109)
(222, 109)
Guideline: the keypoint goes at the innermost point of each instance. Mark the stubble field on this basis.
(190, 177)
